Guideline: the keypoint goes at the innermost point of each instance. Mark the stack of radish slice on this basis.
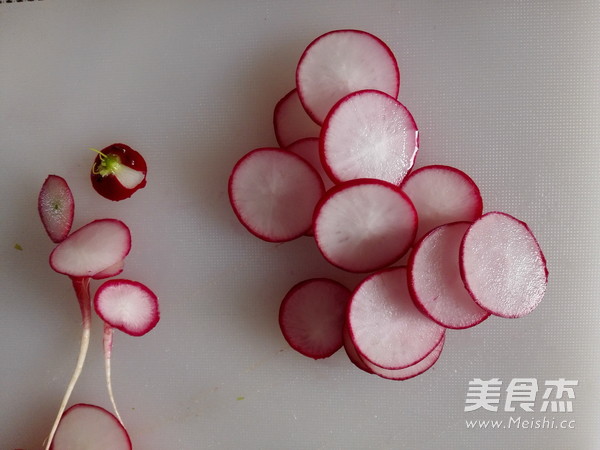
(348, 182)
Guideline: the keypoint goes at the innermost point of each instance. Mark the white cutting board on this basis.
(506, 91)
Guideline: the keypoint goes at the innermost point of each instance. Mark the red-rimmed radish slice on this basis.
(273, 193)
(90, 427)
(111, 271)
(502, 265)
(56, 207)
(340, 62)
(385, 325)
(128, 306)
(291, 122)
(434, 279)
(308, 148)
(369, 134)
(92, 249)
(311, 317)
(352, 353)
(442, 194)
(410, 371)
(363, 225)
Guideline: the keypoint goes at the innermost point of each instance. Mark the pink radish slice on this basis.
(353, 353)
(385, 325)
(291, 122)
(90, 427)
(311, 317)
(340, 62)
(111, 271)
(410, 371)
(442, 194)
(308, 148)
(434, 279)
(91, 249)
(363, 225)
(369, 134)
(502, 265)
(273, 193)
(128, 306)
(56, 207)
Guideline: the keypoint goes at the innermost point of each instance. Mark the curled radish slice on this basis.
(363, 225)
(434, 279)
(369, 134)
(502, 265)
(308, 148)
(385, 325)
(90, 427)
(410, 371)
(311, 317)
(273, 193)
(291, 122)
(56, 207)
(92, 249)
(128, 306)
(442, 194)
(340, 62)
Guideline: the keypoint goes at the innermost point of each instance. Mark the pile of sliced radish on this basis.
(95, 251)
(359, 198)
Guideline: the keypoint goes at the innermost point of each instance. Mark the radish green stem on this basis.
(108, 337)
(82, 290)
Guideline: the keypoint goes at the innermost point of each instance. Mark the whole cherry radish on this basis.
(56, 208)
(118, 171)
(90, 427)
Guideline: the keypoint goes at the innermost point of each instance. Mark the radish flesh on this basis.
(308, 148)
(311, 317)
(291, 122)
(369, 134)
(385, 325)
(90, 427)
(340, 62)
(56, 207)
(502, 265)
(434, 279)
(363, 225)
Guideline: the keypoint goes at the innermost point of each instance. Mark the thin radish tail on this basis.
(107, 341)
(82, 290)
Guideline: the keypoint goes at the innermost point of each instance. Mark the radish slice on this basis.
(111, 271)
(434, 279)
(308, 148)
(128, 306)
(91, 249)
(90, 427)
(340, 62)
(291, 122)
(502, 265)
(442, 194)
(363, 225)
(369, 134)
(273, 193)
(386, 327)
(311, 317)
(410, 371)
(352, 352)
(56, 207)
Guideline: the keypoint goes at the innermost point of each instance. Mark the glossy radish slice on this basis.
(56, 207)
(291, 122)
(442, 194)
(273, 193)
(363, 225)
(369, 134)
(308, 148)
(434, 279)
(410, 371)
(90, 427)
(311, 317)
(340, 62)
(92, 249)
(128, 306)
(385, 325)
(502, 265)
